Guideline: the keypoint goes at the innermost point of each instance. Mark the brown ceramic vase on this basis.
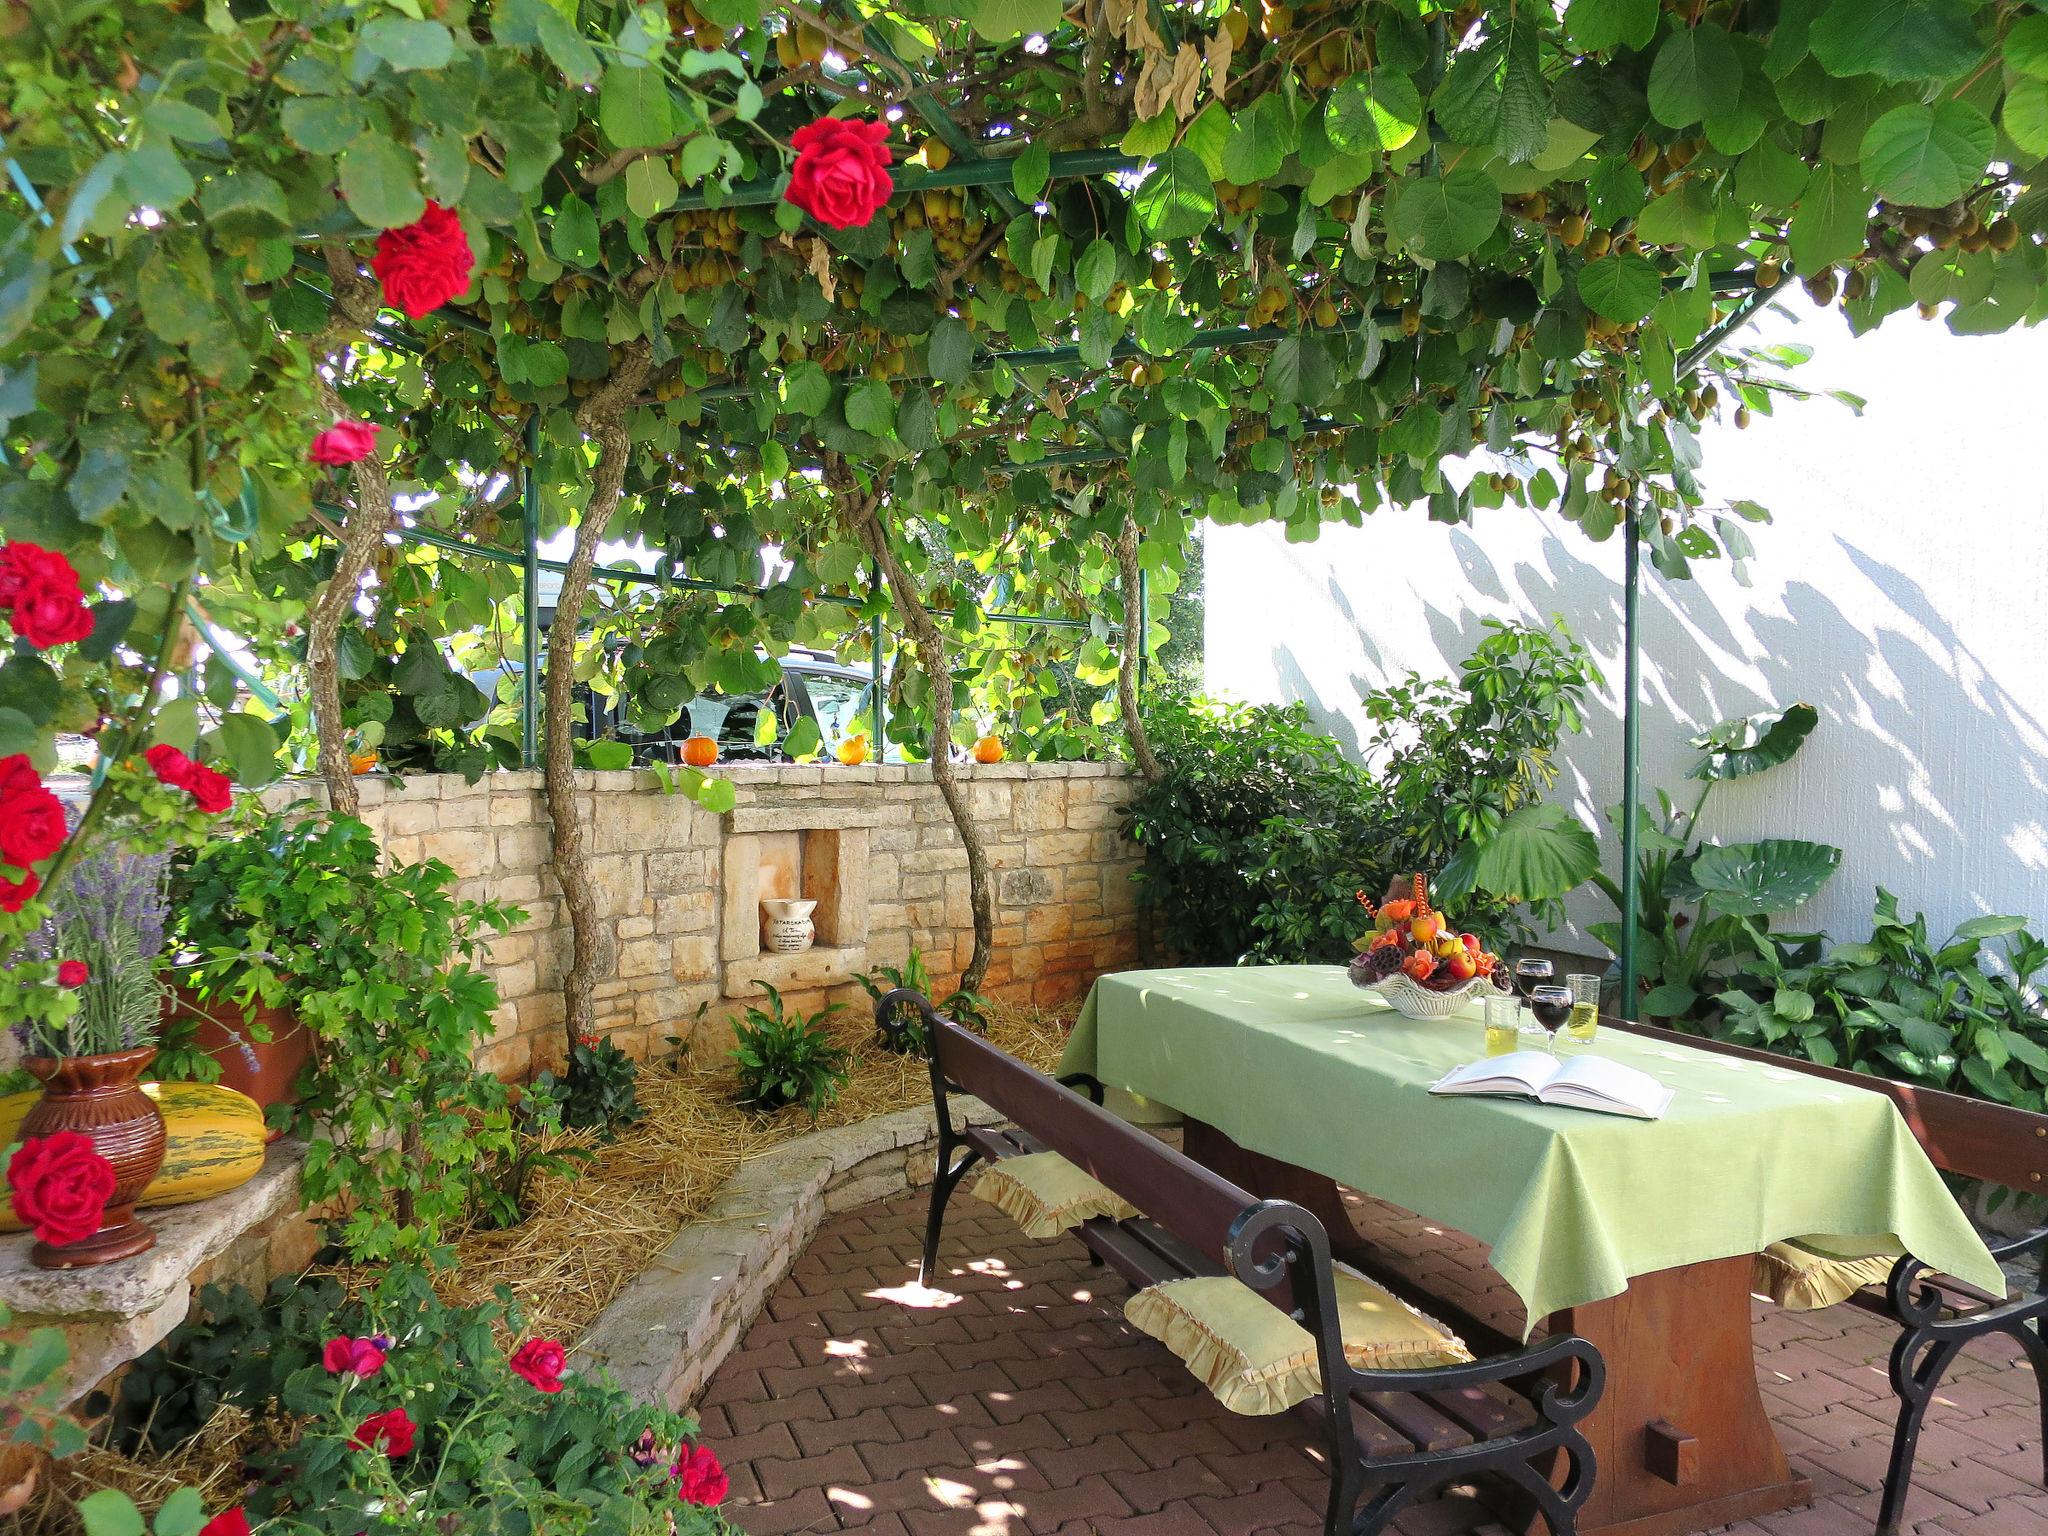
(101, 1097)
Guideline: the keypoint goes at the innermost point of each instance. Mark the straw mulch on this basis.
(589, 1235)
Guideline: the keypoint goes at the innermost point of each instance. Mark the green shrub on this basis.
(598, 1091)
(786, 1059)
(903, 1032)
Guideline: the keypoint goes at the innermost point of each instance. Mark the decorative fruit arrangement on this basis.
(1412, 937)
(700, 751)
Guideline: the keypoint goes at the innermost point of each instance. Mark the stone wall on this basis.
(681, 887)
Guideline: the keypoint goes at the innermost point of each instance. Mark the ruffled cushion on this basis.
(1806, 1273)
(1047, 1195)
(1257, 1359)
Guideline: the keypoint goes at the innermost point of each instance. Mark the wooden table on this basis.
(1681, 1438)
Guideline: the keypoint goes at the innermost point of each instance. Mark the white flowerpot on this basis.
(786, 926)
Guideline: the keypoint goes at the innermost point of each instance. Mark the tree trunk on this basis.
(863, 512)
(1135, 625)
(355, 307)
(602, 418)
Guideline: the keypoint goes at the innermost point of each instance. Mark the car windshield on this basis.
(844, 706)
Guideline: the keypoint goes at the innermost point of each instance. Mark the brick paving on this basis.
(1017, 1400)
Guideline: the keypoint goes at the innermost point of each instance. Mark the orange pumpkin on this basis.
(361, 762)
(700, 751)
(854, 750)
(989, 749)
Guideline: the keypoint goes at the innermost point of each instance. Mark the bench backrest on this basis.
(1972, 1137)
(1198, 1206)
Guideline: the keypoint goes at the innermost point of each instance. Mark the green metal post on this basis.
(1631, 667)
(1143, 619)
(881, 681)
(529, 587)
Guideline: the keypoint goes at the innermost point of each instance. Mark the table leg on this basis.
(1682, 1439)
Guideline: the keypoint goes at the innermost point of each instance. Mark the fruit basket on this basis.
(1417, 962)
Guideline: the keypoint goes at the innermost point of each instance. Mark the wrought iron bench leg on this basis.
(944, 1178)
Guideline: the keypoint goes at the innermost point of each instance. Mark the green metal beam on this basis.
(529, 608)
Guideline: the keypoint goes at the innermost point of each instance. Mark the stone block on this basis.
(1024, 887)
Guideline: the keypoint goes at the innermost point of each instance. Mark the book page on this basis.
(1517, 1072)
(1594, 1078)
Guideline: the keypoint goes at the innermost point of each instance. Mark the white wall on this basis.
(1900, 591)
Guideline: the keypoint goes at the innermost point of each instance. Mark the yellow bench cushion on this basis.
(1047, 1195)
(1257, 1359)
(1806, 1273)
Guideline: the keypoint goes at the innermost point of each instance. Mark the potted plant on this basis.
(95, 1036)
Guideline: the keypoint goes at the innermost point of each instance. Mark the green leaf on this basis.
(1751, 879)
(406, 44)
(1029, 172)
(2025, 115)
(1832, 218)
(1445, 218)
(803, 740)
(1538, 851)
(1671, 1000)
(1735, 749)
(1991, 925)
(1696, 71)
(2026, 46)
(718, 796)
(1622, 286)
(1896, 39)
(18, 733)
(1177, 199)
(650, 186)
(950, 352)
(1495, 95)
(110, 1512)
(609, 756)
(1379, 110)
(574, 236)
(380, 180)
(1001, 20)
(1598, 26)
(1928, 156)
(634, 108)
(250, 746)
(806, 390)
(871, 408)
(1686, 215)
(1095, 272)
(182, 1514)
(321, 125)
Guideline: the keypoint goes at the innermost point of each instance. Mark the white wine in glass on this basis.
(1584, 1022)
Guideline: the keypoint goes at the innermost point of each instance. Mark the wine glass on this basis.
(1531, 972)
(1552, 1006)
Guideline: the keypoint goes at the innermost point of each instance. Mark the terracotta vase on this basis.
(266, 1070)
(102, 1097)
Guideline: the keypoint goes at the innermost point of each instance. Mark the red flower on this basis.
(59, 1186)
(16, 894)
(425, 264)
(229, 1522)
(539, 1362)
(363, 1358)
(32, 823)
(40, 590)
(390, 1433)
(73, 973)
(344, 442)
(699, 1477)
(213, 792)
(841, 176)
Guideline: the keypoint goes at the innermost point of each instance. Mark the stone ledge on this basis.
(821, 965)
(672, 1327)
(113, 1312)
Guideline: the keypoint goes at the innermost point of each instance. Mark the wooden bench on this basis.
(1389, 1436)
(1937, 1315)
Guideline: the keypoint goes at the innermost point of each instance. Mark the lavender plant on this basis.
(109, 919)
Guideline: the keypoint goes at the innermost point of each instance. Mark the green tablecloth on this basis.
(1296, 1063)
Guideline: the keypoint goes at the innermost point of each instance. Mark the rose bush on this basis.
(538, 1363)
(59, 1186)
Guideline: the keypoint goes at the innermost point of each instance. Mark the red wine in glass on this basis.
(1532, 972)
(1551, 1006)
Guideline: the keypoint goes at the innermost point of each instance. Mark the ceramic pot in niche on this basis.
(786, 925)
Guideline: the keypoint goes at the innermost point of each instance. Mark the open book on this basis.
(1577, 1082)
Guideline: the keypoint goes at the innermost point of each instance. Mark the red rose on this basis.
(59, 1186)
(699, 1477)
(169, 765)
(73, 973)
(539, 1362)
(426, 263)
(212, 792)
(344, 443)
(16, 894)
(32, 822)
(841, 176)
(40, 590)
(362, 1358)
(389, 1433)
(229, 1522)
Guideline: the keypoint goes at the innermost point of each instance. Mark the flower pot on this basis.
(266, 1070)
(101, 1097)
(786, 926)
